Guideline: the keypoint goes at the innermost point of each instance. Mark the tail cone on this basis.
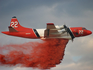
(6, 32)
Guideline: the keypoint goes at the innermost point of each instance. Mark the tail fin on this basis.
(14, 25)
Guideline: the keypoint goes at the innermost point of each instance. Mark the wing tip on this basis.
(50, 23)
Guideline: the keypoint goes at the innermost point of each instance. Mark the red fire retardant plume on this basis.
(43, 55)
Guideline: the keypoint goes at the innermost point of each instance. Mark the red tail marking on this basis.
(15, 24)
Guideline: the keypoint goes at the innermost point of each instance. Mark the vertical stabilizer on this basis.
(15, 24)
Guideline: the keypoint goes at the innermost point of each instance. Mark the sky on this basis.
(36, 13)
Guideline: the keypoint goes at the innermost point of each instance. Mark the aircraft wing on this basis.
(51, 31)
(11, 29)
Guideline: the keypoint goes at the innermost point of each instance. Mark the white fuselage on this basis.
(41, 32)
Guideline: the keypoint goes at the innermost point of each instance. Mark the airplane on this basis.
(51, 31)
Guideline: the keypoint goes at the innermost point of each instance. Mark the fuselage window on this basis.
(74, 29)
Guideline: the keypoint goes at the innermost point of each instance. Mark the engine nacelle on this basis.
(61, 27)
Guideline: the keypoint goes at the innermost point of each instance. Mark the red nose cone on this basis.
(89, 32)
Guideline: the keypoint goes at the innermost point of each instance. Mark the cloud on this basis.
(78, 55)
(19, 68)
(40, 12)
(4, 68)
(74, 8)
(72, 66)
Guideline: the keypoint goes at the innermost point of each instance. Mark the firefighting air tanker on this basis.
(51, 31)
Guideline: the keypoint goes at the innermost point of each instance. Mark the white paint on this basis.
(41, 32)
(81, 31)
(64, 36)
(14, 24)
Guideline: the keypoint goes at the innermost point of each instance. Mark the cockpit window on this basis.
(84, 28)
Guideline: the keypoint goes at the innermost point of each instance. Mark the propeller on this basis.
(66, 28)
(68, 31)
(62, 27)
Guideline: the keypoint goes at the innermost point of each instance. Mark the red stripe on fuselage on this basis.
(79, 31)
(71, 31)
(29, 33)
(75, 31)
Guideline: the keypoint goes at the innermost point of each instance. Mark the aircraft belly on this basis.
(63, 37)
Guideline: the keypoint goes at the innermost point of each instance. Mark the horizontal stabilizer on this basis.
(11, 29)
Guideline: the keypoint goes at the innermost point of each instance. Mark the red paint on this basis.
(19, 28)
(26, 34)
(43, 55)
(80, 31)
(50, 24)
(22, 31)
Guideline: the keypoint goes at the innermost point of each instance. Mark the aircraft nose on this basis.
(89, 32)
